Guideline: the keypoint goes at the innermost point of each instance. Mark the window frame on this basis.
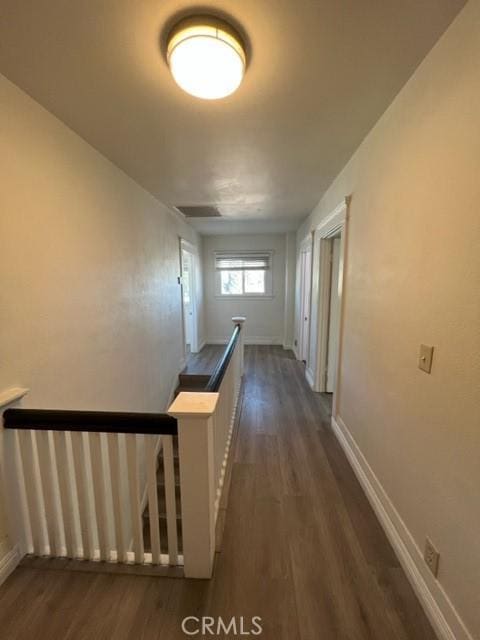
(267, 295)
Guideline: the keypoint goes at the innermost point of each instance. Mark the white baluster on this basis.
(64, 484)
(86, 515)
(170, 500)
(151, 457)
(135, 498)
(98, 475)
(46, 465)
(116, 483)
(35, 506)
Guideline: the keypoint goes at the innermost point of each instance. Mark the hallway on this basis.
(296, 517)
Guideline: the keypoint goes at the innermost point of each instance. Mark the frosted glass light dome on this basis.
(206, 57)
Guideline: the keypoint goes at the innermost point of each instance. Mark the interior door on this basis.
(334, 317)
(305, 316)
(187, 297)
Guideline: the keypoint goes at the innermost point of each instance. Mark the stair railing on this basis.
(205, 428)
(78, 483)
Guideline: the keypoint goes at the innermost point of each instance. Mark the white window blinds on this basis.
(242, 261)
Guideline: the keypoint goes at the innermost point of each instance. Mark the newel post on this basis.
(241, 321)
(194, 413)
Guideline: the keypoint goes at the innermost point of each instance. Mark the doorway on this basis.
(305, 293)
(333, 314)
(330, 250)
(190, 323)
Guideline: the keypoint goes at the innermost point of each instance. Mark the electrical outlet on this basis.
(431, 557)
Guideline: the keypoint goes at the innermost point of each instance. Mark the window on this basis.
(244, 274)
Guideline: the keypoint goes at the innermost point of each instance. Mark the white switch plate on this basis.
(425, 358)
(431, 557)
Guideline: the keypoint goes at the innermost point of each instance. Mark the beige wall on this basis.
(414, 276)
(89, 300)
(265, 318)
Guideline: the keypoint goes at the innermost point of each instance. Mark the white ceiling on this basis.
(320, 74)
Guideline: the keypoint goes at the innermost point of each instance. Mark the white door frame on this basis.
(305, 246)
(333, 225)
(192, 250)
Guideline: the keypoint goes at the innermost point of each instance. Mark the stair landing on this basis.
(205, 361)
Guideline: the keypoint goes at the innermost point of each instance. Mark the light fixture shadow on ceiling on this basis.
(203, 10)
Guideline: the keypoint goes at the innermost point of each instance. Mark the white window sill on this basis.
(244, 297)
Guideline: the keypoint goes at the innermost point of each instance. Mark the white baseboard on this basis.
(310, 378)
(248, 340)
(437, 605)
(9, 562)
(262, 340)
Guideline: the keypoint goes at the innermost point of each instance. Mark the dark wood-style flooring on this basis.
(302, 548)
(205, 361)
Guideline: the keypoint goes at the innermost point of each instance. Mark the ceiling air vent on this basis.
(200, 211)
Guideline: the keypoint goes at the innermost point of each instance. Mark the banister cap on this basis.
(190, 404)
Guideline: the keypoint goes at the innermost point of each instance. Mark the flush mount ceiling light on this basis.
(206, 57)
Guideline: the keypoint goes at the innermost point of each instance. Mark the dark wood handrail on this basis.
(90, 421)
(216, 378)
